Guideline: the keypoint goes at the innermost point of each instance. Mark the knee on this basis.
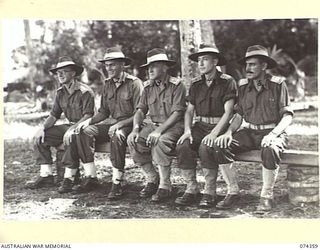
(204, 150)
(115, 140)
(91, 130)
(269, 156)
(183, 148)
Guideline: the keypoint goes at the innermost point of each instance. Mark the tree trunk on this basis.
(192, 34)
(32, 67)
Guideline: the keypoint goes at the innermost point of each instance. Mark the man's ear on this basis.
(264, 65)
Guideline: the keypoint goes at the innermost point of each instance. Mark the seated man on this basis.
(76, 101)
(120, 96)
(265, 106)
(212, 96)
(164, 97)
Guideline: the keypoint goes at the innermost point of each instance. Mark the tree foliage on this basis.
(86, 41)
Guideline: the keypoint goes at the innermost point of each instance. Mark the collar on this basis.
(264, 83)
(74, 87)
(121, 78)
(215, 78)
(159, 82)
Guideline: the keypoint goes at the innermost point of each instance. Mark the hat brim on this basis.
(79, 69)
(221, 59)
(271, 62)
(127, 60)
(169, 63)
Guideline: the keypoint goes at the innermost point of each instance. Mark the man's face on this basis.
(207, 63)
(114, 68)
(255, 67)
(65, 74)
(156, 70)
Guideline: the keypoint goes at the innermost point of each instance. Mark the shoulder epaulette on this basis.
(174, 80)
(146, 83)
(85, 88)
(196, 79)
(131, 77)
(277, 79)
(225, 76)
(243, 82)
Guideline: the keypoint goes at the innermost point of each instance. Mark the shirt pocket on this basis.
(110, 101)
(126, 102)
(152, 105)
(247, 109)
(216, 106)
(75, 111)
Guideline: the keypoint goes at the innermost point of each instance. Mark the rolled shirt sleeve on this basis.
(231, 90)
(179, 98)
(143, 104)
(87, 104)
(104, 108)
(56, 109)
(284, 100)
(137, 91)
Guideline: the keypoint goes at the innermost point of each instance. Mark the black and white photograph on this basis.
(160, 119)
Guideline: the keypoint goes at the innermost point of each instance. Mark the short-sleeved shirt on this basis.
(266, 106)
(76, 104)
(121, 99)
(209, 100)
(161, 100)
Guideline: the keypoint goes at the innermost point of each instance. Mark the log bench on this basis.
(302, 171)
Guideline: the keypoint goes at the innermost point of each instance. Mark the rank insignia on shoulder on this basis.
(146, 83)
(225, 76)
(196, 79)
(85, 88)
(131, 77)
(243, 82)
(277, 79)
(174, 80)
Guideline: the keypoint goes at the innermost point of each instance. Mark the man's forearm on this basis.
(125, 122)
(283, 124)
(99, 117)
(85, 117)
(49, 122)
(138, 119)
(223, 123)
(235, 124)
(173, 118)
(188, 117)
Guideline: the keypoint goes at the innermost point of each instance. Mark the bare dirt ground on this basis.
(20, 203)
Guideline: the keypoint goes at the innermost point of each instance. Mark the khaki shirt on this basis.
(163, 99)
(266, 106)
(76, 104)
(121, 99)
(209, 101)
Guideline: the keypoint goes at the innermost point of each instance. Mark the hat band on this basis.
(64, 64)
(257, 53)
(114, 55)
(158, 57)
(209, 50)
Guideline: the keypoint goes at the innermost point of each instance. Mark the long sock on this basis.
(269, 178)
(229, 176)
(46, 170)
(210, 177)
(165, 173)
(117, 175)
(70, 173)
(90, 169)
